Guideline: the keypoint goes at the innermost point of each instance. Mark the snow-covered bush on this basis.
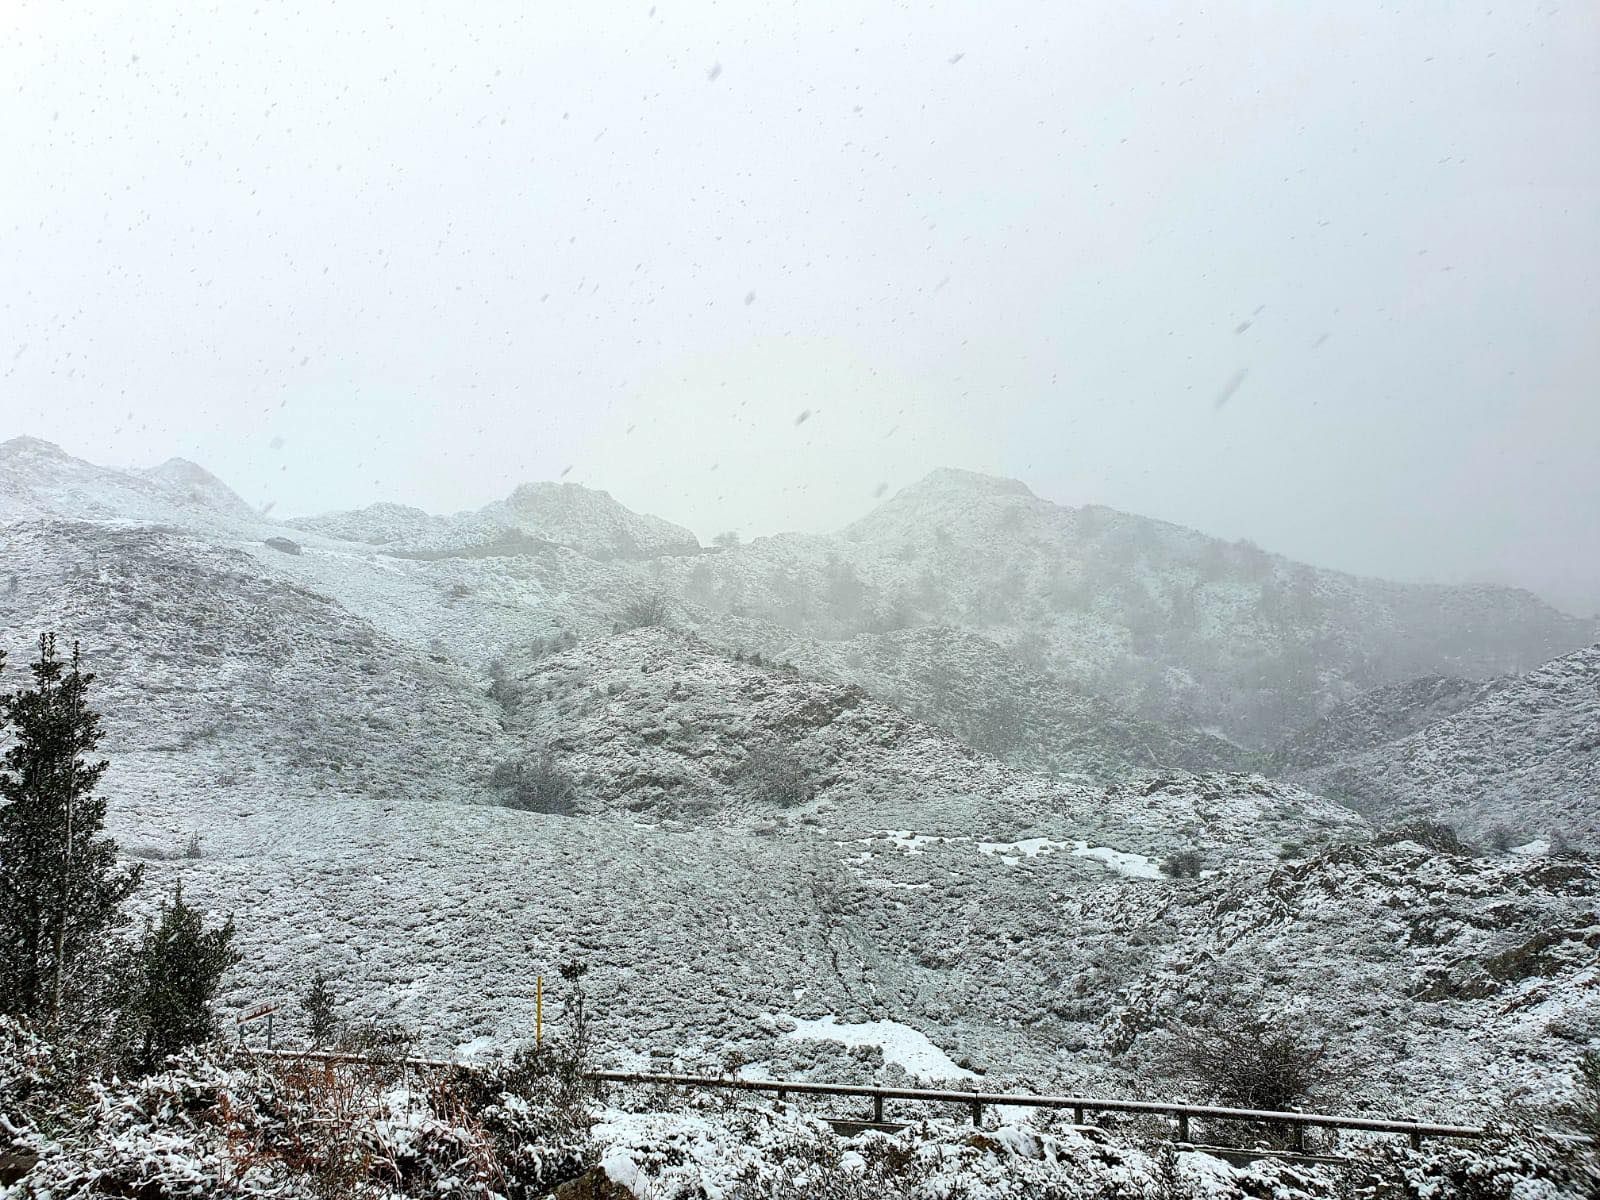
(1255, 1062)
(37, 1081)
(536, 784)
(644, 611)
(217, 1125)
(1185, 864)
(1516, 1162)
(762, 1154)
(773, 773)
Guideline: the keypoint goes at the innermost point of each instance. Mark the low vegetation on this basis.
(1256, 1062)
(535, 784)
(653, 609)
(773, 773)
(1185, 864)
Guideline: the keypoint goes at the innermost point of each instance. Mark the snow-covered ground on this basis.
(319, 715)
(907, 1048)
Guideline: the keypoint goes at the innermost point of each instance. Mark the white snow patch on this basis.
(1135, 866)
(478, 1048)
(901, 1044)
(1026, 848)
(908, 840)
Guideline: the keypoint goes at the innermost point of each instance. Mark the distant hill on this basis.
(1375, 718)
(564, 514)
(1523, 756)
(39, 479)
(1171, 624)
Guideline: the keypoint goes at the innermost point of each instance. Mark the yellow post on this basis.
(538, 1010)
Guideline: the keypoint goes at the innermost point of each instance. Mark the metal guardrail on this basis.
(976, 1102)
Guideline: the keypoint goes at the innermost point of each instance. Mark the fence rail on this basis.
(974, 1101)
(1081, 1106)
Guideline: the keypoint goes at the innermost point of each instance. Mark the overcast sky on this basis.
(1326, 276)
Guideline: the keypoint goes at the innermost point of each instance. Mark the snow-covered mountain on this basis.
(564, 514)
(991, 698)
(38, 478)
(1177, 626)
(1520, 761)
(206, 658)
(880, 777)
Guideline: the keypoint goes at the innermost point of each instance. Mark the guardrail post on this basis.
(1183, 1126)
(781, 1095)
(877, 1108)
(1077, 1114)
(1416, 1139)
(977, 1113)
(1299, 1137)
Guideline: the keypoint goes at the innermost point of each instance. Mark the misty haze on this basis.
(755, 602)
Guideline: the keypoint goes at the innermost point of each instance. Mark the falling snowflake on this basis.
(1229, 388)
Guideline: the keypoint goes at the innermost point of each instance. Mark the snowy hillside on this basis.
(37, 478)
(1178, 626)
(1493, 957)
(1374, 718)
(565, 514)
(999, 703)
(838, 797)
(205, 658)
(1522, 758)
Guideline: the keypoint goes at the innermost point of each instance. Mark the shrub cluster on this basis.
(537, 784)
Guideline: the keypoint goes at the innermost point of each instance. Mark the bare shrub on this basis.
(536, 784)
(644, 612)
(504, 690)
(773, 772)
(320, 1004)
(1501, 838)
(1256, 1062)
(381, 1045)
(1185, 864)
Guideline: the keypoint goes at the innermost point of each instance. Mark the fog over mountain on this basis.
(1326, 282)
(709, 600)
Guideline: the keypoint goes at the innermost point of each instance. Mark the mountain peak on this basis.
(958, 479)
(589, 520)
(32, 447)
(191, 483)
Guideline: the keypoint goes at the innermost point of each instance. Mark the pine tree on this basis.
(61, 893)
(180, 964)
(319, 1003)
